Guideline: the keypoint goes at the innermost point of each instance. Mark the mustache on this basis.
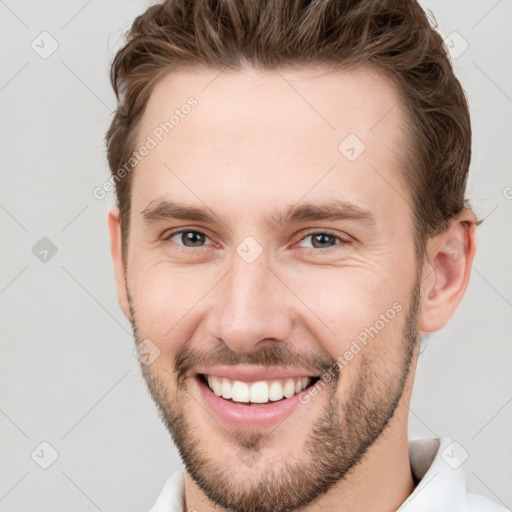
(189, 358)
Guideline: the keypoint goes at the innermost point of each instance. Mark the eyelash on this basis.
(168, 236)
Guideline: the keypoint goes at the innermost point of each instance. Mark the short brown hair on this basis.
(393, 36)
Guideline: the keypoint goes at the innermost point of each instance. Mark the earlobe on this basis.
(446, 276)
(116, 248)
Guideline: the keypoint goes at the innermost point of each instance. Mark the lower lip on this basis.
(247, 416)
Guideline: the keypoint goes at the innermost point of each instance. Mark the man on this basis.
(291, 218)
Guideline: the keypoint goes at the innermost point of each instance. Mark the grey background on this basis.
(67, 372)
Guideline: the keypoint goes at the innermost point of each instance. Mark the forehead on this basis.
(272, 136)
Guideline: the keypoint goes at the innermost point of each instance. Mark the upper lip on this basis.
(252, 373)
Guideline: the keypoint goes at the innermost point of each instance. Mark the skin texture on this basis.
(256, 143)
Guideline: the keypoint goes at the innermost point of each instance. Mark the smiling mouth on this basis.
(256, 393)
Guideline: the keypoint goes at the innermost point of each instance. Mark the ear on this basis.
(116, 248)
(446, 272)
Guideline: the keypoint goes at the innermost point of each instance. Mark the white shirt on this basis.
(435, 464)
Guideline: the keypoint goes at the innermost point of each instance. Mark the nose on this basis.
(250, 305)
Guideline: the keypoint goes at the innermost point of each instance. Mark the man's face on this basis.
(268, 290)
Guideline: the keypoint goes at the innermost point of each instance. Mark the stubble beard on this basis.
(339, 438)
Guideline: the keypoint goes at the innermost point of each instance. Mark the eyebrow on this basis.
(334, 209)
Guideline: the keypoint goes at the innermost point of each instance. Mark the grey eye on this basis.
(189, 238)
(321, 240)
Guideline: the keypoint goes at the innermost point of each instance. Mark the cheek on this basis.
(167, 300)
(349, 309)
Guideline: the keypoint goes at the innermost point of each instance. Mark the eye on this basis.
(324, 239)
(191, 238)
(186, 237)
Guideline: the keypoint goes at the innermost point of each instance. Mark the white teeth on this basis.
(240, 391)
(276, 391)
(215, 385)
(289, 388)
(227, 392)
(259, 392)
